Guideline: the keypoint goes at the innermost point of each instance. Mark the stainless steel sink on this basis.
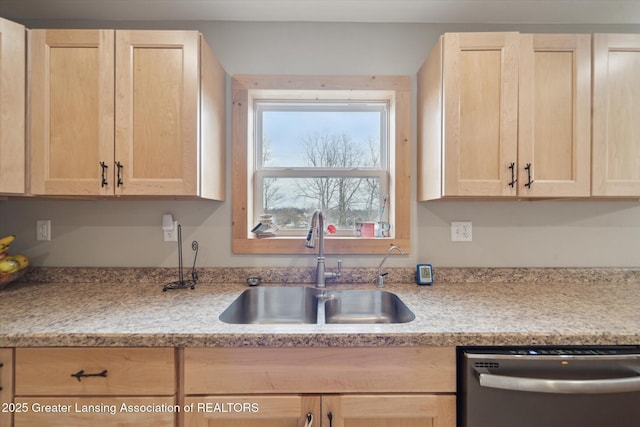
(372, 306)
(282, 305)
(273, 305)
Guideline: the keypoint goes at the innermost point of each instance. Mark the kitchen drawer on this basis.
(103, 412)
(124, 371)
(319, 370)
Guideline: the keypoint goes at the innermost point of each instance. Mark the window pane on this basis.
(344, 200)
(301, 137)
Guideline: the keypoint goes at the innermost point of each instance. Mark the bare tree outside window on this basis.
(340, 197)
(272, 194)
(316, 158)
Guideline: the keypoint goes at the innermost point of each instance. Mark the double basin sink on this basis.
(290, 305)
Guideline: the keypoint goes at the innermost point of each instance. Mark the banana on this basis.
(22, 260)
(9, 265)
(6, 241)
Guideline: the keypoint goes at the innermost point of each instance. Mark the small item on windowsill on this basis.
(266, 227)
(383, 229)
(263, 234)
(365, 230)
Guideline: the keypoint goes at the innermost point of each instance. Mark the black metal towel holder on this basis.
(181, 283)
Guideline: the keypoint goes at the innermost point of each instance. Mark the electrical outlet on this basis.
(43, 229)
(461, 231)
(171, 235)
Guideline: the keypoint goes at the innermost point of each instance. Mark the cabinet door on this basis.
(616, 109)
(71, 120)
(12, 107)
(389, 410)
(480, 72)
(554, 115)
(96, 411)
(157, 86)
(6, 383)
(252, 411)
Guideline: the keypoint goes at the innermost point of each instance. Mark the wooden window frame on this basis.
(245, 88)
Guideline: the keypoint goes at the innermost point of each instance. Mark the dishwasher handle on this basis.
(543, 385)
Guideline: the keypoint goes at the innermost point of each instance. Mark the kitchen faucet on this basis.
(316, 232)
(380, 274)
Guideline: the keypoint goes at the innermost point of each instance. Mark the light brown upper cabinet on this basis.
(71, 104)
(554, 117)
(12, 107)
(616, 115)
(505, 115)
(125, 113)
(468, 120)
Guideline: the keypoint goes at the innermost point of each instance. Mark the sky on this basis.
(286, 131)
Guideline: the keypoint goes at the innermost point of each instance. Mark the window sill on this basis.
(332, 245)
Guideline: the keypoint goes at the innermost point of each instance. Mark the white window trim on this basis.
(378, 101)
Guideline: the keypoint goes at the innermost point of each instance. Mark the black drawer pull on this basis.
(81, 374)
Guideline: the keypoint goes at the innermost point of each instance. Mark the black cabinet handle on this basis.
(529, 180)
(104, 167)
(119, 181)
(330, 416)
(512, 167)
(80, 374)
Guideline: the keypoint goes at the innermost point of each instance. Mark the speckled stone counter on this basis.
(591, 311)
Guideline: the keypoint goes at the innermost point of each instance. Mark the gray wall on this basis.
(507, 233)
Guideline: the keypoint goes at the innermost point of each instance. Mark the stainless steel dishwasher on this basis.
(549, 387)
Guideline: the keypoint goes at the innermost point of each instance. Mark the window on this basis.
(335, 143)
(321, 155)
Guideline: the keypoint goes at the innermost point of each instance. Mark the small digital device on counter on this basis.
(424, 274)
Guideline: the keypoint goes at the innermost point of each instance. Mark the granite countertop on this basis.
(449, 313)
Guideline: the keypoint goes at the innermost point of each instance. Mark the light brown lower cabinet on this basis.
(250, 411)
(392, 410)
(338, 387)
(105, 387)
(6, 385)
(374, 410)
(95, 411)
(229, 387)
